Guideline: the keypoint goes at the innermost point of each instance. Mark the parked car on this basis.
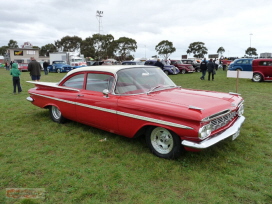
(244, 64)
(94, 63)
(167, 69)
(262, 70)
(183, 68)
(22, 66)
(195, 63)
(59, 66)
(133, 63)
(137, 100)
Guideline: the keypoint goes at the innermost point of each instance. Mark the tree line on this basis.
(105, 46)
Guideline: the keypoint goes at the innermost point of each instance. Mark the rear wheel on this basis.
(164, 143)
(238, 70)
(56, 115)
(58, 70)
(166, 72)
(257, 77)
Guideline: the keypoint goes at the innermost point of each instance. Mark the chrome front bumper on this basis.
(213, 140)
(30, 99)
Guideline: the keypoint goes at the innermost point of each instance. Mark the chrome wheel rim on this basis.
(56, 113)
(162, 140)
(257, 77)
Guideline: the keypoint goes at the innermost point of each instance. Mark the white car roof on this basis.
(107, 68)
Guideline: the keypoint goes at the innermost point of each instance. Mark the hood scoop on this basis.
(195, 108)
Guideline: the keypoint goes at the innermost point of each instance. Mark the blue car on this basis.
(244, 64)
(168, 69)
(59, 67)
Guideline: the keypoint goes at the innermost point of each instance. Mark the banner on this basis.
(18, 53)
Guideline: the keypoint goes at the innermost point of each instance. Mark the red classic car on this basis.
(183, 68)
(23, 66)
(262, 69)
(137, 100)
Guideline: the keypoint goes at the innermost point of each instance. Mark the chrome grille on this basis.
(222, 121)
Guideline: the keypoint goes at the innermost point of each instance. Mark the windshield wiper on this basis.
(159, 86)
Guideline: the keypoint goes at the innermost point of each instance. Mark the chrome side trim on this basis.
(56, 99)
(153, 120)
(213, 140)
(120, 113)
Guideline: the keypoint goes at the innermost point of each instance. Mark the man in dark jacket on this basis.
(203, 68)
(45, 65)
(211, 69)
(159, 64)
(34, 68)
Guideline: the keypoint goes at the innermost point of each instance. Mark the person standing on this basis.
(15, 72)
(211, 69)
(6, 65)
(203, 68)
(34, 68)
(10, 64)
(45, 65)
(159, 64)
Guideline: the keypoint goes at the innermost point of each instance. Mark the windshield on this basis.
(178, 62)
(142, 80)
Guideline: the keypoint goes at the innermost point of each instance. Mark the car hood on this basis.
(178, 100)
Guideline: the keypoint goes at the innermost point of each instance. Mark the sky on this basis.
(234, 25)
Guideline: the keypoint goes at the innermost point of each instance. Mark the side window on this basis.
(245, 62)
(75, 81)
(99, 82)
(262, 63)
(239, 62)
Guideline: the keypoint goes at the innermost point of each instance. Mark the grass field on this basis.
(73, 166)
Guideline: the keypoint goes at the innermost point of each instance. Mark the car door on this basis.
(93, 107)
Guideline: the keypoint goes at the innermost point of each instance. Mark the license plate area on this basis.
(235, 135)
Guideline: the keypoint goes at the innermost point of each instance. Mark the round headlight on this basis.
(205, 131)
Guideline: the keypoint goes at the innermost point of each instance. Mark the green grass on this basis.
(73, 166)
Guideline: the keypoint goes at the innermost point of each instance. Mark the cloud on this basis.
(215, 22)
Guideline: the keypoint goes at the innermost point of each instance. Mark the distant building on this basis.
(22, 55)
(266, 55)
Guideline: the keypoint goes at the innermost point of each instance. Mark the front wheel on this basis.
(257, 77)
(56, 115)
(58, 70)
(183, 71)
(164, 143)
(166, 72)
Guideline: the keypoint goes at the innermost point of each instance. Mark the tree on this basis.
(68, 44)
(3, 50)
(98, 46)
(198, 49)
(251, 51)
(165, 48)
(48, 48)
(220, 51)
(87, 48)
(13, 44)
(123, 46)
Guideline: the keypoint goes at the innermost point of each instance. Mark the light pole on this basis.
(250, 39)
(99, 14)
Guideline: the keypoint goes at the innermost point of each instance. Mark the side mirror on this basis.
(106, 93)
